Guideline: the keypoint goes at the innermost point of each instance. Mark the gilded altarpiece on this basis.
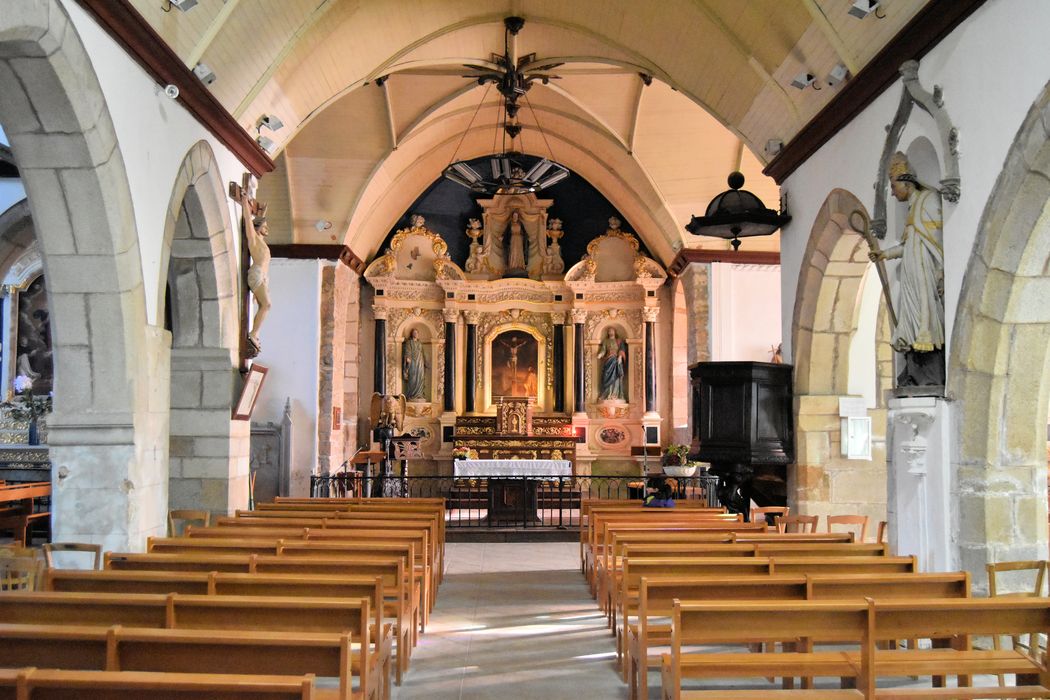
(507, 320)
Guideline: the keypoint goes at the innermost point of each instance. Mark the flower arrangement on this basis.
(27, 406)
(461, 453)
(675, 453)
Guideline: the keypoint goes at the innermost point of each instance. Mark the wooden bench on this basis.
(657, 594)
(85, 648)
(41, 684)
(17, 512)
(207, 612)
(862, 626)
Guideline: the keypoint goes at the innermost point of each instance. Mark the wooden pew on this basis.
(44, 684)
(16, 507)
(71, 647)
(402, 595)
(657, 594)
(205, 612)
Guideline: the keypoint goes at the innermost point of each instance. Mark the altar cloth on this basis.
(512, 467)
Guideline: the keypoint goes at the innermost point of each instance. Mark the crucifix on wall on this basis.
(258, 276)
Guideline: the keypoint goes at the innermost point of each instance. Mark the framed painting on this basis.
(515, 359)
(250, 392)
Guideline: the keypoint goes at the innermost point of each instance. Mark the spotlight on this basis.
(322, 225)
(184, 5)
(171, 91)
(268, 144)
(803, 80)
(204, 73)
(863, 8)
(270, 121)
(774, 146)
(837, 75)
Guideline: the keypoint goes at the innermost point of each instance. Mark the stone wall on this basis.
(696, 279)
(335, 290)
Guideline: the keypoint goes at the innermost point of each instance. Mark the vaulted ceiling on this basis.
(357, 151)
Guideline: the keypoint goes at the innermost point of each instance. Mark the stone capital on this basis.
(472, 317)
(558, 318)
(450, 315)
(649, 313)
(578, 315)
(380, 312)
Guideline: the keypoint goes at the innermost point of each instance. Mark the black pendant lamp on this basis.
(737, 214)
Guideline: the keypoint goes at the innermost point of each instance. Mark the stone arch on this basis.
(826, 317)
(109, 453)
(208, 451)
(999, 365)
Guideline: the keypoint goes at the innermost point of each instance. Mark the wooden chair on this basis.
(796, 523)
(185, 517)
(762, 514)
(19, 573)
(880, 534)
(62, 547)
(850, 520)
(1039, 569)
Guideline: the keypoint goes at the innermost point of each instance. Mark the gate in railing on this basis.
(510, 501)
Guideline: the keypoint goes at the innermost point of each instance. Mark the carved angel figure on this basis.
(388, 411)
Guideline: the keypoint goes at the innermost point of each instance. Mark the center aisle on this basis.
(514, 620)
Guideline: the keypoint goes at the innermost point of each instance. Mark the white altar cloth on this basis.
(512, 467)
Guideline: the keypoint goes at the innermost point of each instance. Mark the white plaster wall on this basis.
(745, 312)
(291, 340)
(863, 369)
(992, 68)
(154, 134)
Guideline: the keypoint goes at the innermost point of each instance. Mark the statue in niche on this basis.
(919, 333)
(612, 359)
(516, 246)
(414, 367)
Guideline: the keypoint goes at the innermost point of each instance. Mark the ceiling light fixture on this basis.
(322, 225)
(837, 75)
(737, 214)
(270, 121)
(267, 144)
(510, 171)
(803, 80)
(205, 74)
(863, 8)
(184, 5)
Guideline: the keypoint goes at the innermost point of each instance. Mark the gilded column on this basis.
(379, 365)
(469, 366)
(558, 321)
(449, 388)
(579, 317)
(649, 314)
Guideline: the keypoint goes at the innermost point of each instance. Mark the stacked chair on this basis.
(256, 605)
(743, 611)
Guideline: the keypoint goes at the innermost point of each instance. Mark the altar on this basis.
(511, 485)
(512, 467)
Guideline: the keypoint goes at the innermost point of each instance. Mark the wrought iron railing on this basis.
(509, 501)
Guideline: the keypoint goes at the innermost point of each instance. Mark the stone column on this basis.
(469, 368)
(579, 316)
(379, 371)
(559, 362)
(449, 390)
(649, 314)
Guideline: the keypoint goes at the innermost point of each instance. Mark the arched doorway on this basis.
(107, 440)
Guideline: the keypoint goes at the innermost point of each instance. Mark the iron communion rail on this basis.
(551, 501)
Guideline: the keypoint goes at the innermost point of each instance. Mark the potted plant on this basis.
(675, 460)
(460, 453)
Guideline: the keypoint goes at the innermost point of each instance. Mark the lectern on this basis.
(742, 420)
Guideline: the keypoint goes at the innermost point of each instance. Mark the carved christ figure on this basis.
(256, 228)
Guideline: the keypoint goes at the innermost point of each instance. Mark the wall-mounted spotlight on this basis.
(838, 74)
(774, 147)
(863, 8)
(270, 121)
(803, 80)
(322, 225)
(184, 5)
(267, 144)
(204, 73)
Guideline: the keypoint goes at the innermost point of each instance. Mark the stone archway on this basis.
(108, 435)
(208, 450)
(826, 318)
(999, 367)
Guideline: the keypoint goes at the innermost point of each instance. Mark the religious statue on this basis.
(474, 232)
(413, 367)
(919, 307)
(255, 229)
(612, 356)
(553, 264)
(388, 411)
(516, 245)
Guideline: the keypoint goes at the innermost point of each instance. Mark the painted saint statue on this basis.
(612, 358)
(516, 248)
(413, 368)
(919, 334)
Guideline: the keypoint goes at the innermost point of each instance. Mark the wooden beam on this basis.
(925, 30)
(143, 44)
(213, 31)
(319, 251)
(705, 255)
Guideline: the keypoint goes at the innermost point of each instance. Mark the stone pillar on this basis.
(335, 286)
(649, 314)
(469, 368)
(558, 321)
(579, 316)
(379, 364)
(449, 389)
(696, 280)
